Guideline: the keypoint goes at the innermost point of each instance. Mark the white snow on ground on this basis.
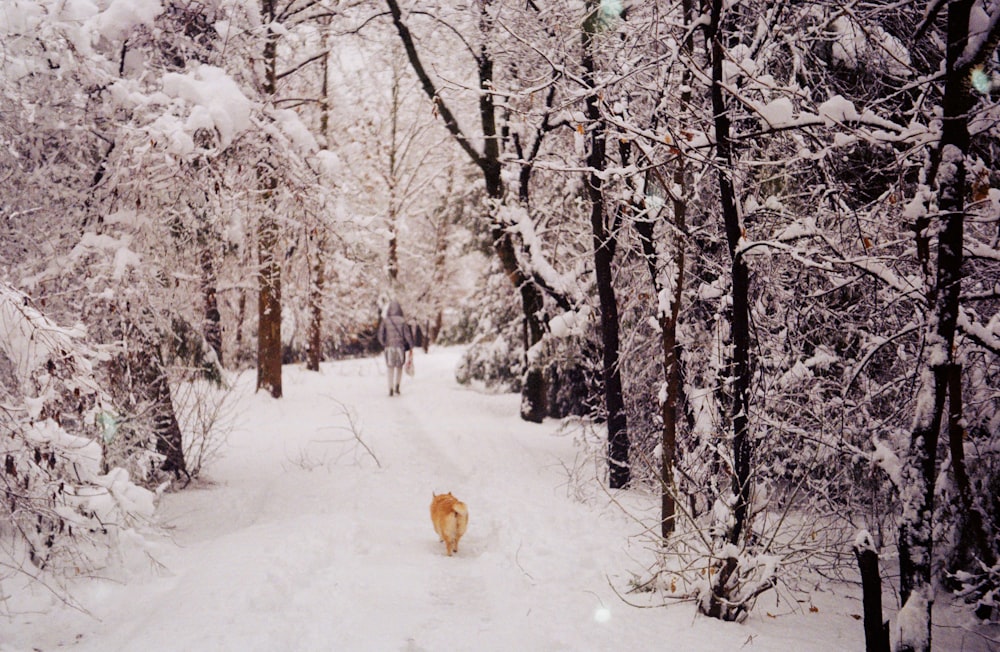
(300, 541)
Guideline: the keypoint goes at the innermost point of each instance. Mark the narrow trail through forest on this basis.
(302, 538)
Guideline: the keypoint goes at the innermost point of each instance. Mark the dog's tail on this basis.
(461, 513)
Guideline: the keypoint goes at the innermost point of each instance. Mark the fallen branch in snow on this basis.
(354, 427)
(517, 561)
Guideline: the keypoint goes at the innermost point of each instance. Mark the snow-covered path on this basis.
(301, 541)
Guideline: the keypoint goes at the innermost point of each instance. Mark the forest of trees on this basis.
(756, 243)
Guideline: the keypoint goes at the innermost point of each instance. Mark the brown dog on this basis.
(450, 517)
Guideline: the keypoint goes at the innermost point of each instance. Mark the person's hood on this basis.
(394, 309)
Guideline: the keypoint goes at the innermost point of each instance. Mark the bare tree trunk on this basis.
(742, 442)
(605, 244)
(141, 386)
(667, 320)
(392, 182)
(948, 174)
(241, 317)
(268, 304)
(876, 627)
(169, 440)
(534, 393)
(212, 324)
(268, 266)
(317, 236)
(972, 546)
(314, 352)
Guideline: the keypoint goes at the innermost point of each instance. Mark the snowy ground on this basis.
(299, 540)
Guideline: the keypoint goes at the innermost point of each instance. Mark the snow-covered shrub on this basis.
(495, 363)
(723, 579)
(495, 356)
(971, 556)
(572, 377)
(59, 508)
(980, 588)
(568, 357)
(734, 582)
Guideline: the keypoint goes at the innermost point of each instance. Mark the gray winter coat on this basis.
(393, 331)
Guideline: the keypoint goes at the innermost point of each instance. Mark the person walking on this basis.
(395, 336)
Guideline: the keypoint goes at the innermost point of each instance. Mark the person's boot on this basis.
(397, 389)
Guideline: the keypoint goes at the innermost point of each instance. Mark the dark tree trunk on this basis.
(670, 406)
(169, 440)
(876, 627)
(212, 325)
(392, 182)
(314, 344)
(972, 546)
(948, 174)
(314, 351)
(268, 266)
(268, 307)
(667, 321)
(605, 243)
(742, 442)
(241, 317)
(141, 386)
(534, 403)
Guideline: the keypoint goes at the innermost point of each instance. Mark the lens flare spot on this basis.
(612, 8)
(980, 80)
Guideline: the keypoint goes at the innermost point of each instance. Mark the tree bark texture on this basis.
(314, 350)
(268, 266)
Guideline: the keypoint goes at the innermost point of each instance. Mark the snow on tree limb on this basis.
(31, 341)
(56, 497)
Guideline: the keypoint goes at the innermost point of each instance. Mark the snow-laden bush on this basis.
(59, 510)
(494, 358)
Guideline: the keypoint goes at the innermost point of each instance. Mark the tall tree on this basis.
(316, 238)
(947, 177)
(269, 353)
(658, 213)
(740, 276)
(604, 226)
